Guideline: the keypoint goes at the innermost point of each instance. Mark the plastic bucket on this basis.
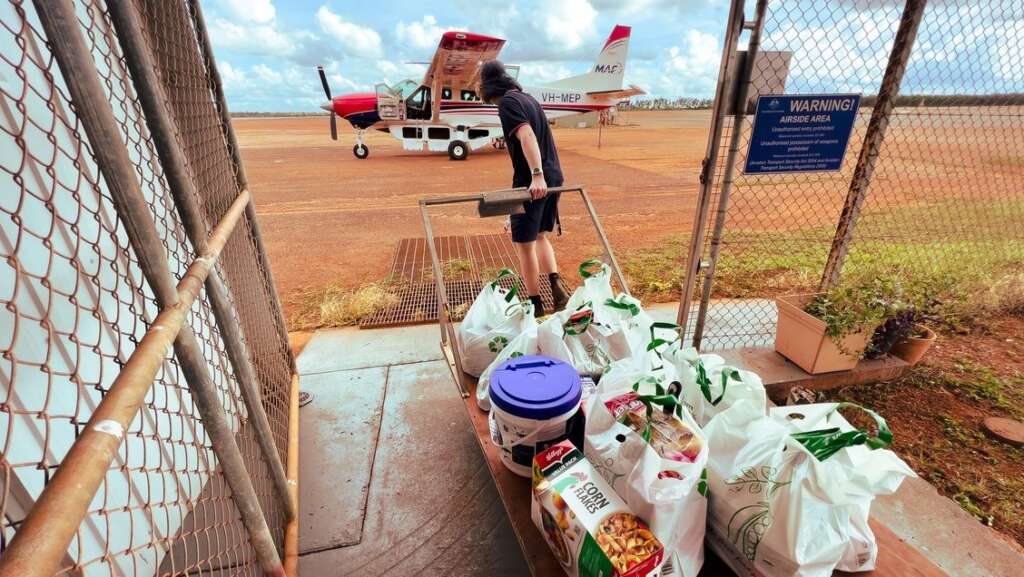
(535, 403)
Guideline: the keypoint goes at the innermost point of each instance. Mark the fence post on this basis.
(740, 105)
(153, 99)
(236, 155)
(734, 27)
(49, 533)
(902, 45)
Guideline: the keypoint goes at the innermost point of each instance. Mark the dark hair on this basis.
(495, 81)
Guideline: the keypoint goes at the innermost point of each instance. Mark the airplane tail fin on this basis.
(608, 70)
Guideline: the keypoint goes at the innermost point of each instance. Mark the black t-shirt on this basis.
(514, 109)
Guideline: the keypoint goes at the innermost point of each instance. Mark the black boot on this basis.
(559, 291)
(538, 306)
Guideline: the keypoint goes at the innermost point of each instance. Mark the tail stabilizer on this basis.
(608, 70)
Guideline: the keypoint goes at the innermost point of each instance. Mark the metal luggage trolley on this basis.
(513, 489)
(494, 203)
(896, 557)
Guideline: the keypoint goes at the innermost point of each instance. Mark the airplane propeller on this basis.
(329, 104)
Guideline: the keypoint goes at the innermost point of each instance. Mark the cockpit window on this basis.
(404, 88)
(417, 106)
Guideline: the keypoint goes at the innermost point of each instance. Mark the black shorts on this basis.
(539, 216)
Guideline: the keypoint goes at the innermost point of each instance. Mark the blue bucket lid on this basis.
(535, 387)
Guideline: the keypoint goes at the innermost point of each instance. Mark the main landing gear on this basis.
(360, 150)
(458, 150)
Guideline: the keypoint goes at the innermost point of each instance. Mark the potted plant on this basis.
(826, 332)
(904, 334)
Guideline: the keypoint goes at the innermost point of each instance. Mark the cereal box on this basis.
(590, 530)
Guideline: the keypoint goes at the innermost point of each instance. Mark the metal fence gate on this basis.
(932, 178)
(126, 225)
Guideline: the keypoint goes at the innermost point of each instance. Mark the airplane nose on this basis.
(328, 106)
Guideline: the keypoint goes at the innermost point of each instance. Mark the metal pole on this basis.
(733, 29)
(151, 95)
(291, 529)
(740, 105)
(240, 177)
(448, 338)
(42, 539)
(913, 11)
(604, 242)
(93, 109)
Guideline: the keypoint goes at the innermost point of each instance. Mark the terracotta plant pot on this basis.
(911, 349)
(801, 338)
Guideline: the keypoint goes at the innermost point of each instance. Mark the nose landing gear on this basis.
(360, 150)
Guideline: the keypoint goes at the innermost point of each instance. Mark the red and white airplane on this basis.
(444, 113)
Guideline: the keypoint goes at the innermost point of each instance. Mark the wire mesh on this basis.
(946, 185)
(171, 33)
(75, 306)
(467, 262)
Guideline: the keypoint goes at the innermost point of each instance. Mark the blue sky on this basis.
(267, 50)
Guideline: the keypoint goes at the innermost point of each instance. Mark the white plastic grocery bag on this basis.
(866, 472)
(596, 287)
(657, 470)
(495, 318)
(710, 386)
(575, 337)
(792, 490)
(524, 344)
(626, 312)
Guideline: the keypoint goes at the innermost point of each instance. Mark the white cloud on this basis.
(254, 39)
(267, 74)
(233, 78)
(570, 23)
(700, 55)
(355, 40)
(261, 11)
(531, 73)
(397, 71)
(423, 34)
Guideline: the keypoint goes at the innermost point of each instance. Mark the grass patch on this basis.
(335, 305)
(980, 383)
(972, 279)
(451, 269)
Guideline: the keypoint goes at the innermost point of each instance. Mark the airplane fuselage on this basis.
(362, 112)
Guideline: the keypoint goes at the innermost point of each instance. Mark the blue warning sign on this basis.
(801, 133)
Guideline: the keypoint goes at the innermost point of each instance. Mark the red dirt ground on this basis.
(328, 217)
(936, 411)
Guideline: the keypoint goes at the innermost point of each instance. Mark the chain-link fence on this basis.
(77, 303)
(944, 198)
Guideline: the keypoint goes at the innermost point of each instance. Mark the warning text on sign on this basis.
(801, 133)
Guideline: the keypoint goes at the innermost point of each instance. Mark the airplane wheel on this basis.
(458, 150)
(361, 151)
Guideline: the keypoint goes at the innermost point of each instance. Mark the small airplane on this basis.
(458, 121)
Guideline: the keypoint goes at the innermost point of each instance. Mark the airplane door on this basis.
(389, 104)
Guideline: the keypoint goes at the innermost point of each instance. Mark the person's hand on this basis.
(538, 187)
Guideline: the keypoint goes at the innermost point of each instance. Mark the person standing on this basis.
(535, 166)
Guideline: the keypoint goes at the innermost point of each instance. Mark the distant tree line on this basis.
(937, 100)
(681, 103)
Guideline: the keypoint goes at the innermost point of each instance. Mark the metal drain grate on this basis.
(466, 262)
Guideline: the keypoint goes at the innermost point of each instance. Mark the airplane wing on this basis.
(620, 93)
(458, 58)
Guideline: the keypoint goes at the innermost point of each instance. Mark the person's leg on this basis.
(546, 254)
(525, 228)
(528, 266)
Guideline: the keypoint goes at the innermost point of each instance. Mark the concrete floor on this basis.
(392, 480)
